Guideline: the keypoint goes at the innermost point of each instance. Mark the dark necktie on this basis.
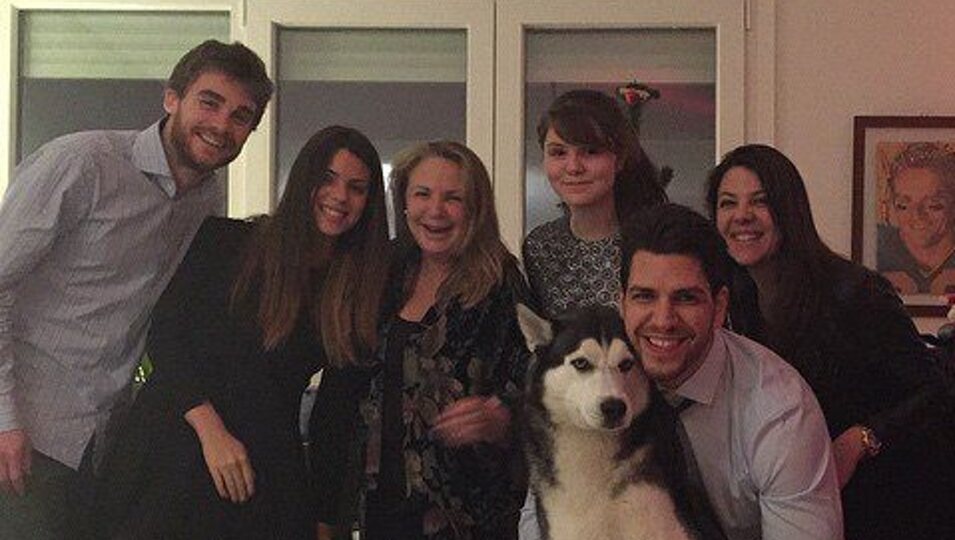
(699, 502)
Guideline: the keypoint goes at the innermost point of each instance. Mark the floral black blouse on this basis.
(472, 492)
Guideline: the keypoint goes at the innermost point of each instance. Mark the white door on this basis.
(401, 72)
(693, 52)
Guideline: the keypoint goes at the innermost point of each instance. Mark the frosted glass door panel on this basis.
(82, 70)
(397, 86)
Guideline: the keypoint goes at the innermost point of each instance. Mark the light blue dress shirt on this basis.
(91, 230)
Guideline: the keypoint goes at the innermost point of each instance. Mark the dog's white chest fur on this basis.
(586, 503)
(591, 476)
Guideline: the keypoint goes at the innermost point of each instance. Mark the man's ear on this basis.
(538, 332)
(721, 302)
(170, 101)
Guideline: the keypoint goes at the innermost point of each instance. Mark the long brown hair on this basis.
(478, 265)
(279, 263)
(803, 261)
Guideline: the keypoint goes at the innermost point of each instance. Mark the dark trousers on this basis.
(55, 504)
(393, 519)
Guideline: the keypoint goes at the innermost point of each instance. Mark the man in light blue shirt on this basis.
(756, 432)
(92, 227)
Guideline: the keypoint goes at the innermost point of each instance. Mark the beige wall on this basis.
(836, 59)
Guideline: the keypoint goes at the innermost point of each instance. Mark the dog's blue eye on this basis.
(626, 365)
(581, 364)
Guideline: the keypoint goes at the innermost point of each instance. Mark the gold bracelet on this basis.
(870, 443)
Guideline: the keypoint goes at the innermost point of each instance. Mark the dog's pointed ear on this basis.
(537, 331)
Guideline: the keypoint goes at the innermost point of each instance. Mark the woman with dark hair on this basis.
(845, 330)
(596, 166)
(437, 456)
(211, 448)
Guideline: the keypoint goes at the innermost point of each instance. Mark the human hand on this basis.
(848, 451)
(226, 458)
(473, 419)
(15, 455)
(229, 466)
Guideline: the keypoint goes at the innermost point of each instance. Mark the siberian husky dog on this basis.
(601, 444)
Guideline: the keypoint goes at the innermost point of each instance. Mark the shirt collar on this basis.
(701, 387)
(150, 157)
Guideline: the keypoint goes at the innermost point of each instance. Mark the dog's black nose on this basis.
(613, 411)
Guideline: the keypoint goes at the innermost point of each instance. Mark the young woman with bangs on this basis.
(595, 164)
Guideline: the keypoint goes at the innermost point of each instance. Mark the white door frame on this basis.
(516, 17)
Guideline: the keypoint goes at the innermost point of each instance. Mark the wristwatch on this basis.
(870, 443)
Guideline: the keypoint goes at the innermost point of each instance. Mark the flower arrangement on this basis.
(632, 96)
(635, 94)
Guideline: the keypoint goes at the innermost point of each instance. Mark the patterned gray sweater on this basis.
(566, 272)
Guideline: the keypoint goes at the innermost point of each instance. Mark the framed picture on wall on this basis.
(903, 205)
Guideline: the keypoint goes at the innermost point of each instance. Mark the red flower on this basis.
(630, 95)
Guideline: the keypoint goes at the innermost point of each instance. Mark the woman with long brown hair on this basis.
(212, 449)
(595, 164)
(844, 329)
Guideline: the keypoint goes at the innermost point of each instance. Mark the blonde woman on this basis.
(435, 426)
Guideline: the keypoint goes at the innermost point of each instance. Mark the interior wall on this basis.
(836, 60)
